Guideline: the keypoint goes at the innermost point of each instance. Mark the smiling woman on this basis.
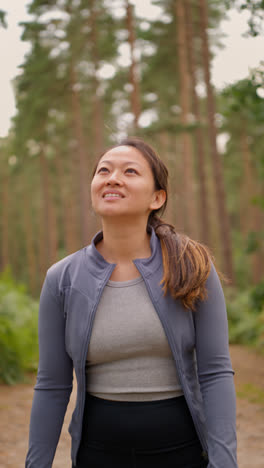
(135, 171)
(140, 315)
(124, 194)
(124, 175)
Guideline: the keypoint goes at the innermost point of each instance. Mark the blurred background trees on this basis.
(96, 72)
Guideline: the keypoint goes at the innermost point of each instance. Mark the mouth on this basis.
(112, 195)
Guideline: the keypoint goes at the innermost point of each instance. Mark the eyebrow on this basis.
(125, 163)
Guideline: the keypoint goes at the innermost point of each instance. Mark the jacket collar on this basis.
(97, 264)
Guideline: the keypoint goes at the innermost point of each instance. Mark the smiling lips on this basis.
(112, 195)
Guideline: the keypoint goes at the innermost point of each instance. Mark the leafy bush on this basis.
(246, 315)
(257, 297)
(18, 330)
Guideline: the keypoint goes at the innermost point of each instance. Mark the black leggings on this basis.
(156, 434)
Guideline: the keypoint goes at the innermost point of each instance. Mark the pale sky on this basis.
(232, 63)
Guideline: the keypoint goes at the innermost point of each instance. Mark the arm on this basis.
(216, 375)
(54, 383)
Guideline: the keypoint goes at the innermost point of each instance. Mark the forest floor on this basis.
(15, 405)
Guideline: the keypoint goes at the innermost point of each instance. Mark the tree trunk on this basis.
(163, 138)
(258, 256)
(177, 189)
(97, 102)
(49, 225)
(204, 224)
(247, 187)
(224, 223)
(5, 259)
(30, 247)
(81, 160)
(67, 202)
(133, 75)
(188, 171)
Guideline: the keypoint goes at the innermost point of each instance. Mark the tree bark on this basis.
(97, 102)
(29, 240)
(247, 187)
(49, 225)
(81, 160)
(67, 202)
(133, 76)
(188, 170)
(204, 224)
(5, 258)
(223, 218)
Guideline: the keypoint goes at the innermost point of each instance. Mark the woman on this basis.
(140, 314)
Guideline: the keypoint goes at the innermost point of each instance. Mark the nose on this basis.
(114, 178)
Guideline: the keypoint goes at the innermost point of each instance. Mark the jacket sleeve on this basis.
(216, 375)
(54, 382)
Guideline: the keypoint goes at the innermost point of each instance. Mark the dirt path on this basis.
(15, 404)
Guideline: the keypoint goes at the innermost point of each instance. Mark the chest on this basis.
(81, 308)
(126, 324)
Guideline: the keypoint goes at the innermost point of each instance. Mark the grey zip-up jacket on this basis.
(198, 341)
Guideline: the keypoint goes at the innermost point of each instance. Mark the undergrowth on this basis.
(245, 311)
(18, 330)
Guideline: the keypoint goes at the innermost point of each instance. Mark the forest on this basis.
(96, 72)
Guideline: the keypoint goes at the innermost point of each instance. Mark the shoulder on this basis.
(213, 305)
(213, 281)
(59, 275)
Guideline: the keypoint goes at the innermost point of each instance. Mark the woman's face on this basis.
(123, 185)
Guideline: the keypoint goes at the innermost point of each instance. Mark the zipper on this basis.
(174, 352)
(85, 349)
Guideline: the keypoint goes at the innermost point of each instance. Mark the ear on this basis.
(159, 198)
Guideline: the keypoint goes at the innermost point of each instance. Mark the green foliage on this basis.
(245, 311)
(3, 22)
(18, 330)
(257, 297)
(253, 242)
(256, 10)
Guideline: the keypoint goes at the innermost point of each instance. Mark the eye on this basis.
(102, 169)
(130, 170)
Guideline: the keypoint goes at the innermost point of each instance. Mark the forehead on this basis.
(124, 154)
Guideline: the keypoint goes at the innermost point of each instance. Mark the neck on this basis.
(124, 243)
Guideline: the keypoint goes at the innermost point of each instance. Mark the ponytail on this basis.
(186, 263)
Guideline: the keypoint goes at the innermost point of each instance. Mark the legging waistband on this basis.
(158, 423)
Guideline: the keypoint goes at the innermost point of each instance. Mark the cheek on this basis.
(147, 191)
(94, 189)
(94, 184)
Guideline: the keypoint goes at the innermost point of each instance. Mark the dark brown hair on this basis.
(186, 262)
